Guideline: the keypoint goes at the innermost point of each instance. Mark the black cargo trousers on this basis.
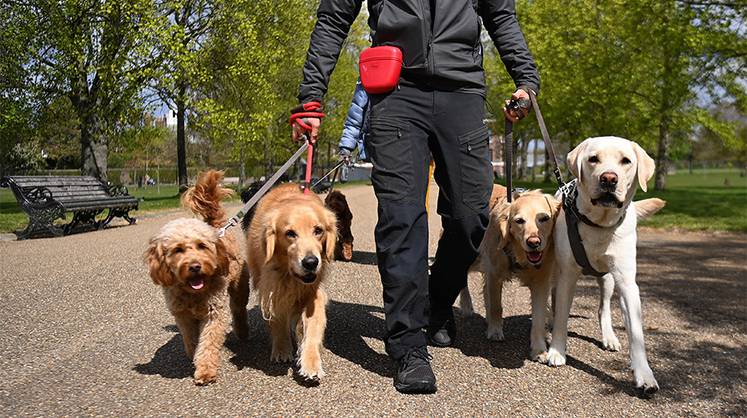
(407, 126)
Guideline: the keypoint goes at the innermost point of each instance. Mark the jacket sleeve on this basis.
(353, 127)
(334, 18)
(499, 18)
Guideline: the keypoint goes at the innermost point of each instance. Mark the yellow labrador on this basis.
(609, 170)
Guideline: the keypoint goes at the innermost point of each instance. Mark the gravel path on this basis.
(85, 332)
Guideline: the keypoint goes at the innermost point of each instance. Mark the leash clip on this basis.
(222, 230)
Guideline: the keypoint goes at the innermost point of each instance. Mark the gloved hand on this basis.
(518, 107)
(346, 155)
(306, 118)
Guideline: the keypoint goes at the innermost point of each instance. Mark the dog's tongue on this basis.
(196, 283)
(534, 256)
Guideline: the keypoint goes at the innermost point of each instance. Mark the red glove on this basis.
(305, 118)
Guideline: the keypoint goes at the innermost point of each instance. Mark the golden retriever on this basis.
(518, 243)
(291, 242)
(198, 270)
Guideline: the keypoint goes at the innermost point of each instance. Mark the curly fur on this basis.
(198, 271)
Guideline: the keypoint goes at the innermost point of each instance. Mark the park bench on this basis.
(47, 198)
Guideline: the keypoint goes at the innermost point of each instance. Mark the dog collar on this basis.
(513, 265)
(572, 217)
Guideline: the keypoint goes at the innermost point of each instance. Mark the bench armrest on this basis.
(116, 190)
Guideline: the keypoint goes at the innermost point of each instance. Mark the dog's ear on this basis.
(155, 258)
(646, 166)
(574, 160)
(504, 211)
(554, 204)
(330, 237)
(222, 254)
(270, 236)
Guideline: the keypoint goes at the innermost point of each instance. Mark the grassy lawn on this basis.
(711, 200)
(707, 200)
(12, 218)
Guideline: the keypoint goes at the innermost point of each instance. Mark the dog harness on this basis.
(569, 193)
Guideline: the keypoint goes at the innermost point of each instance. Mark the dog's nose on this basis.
(608, 180)
(310, 262)
(533, 242)
(195, 267)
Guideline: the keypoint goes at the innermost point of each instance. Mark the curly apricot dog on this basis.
(198, 270)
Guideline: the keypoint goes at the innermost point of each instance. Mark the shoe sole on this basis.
(417, 388)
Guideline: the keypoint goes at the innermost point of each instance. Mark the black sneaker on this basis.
(414, 373)
(442, 329)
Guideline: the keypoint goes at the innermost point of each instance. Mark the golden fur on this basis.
(288, 228)
(198, 270)
(522, 228)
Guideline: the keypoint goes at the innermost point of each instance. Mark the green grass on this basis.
(709, 200)
(12, 217)
(706, 200)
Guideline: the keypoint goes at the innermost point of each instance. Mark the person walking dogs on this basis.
(436, 108)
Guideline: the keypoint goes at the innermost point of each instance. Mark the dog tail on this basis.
(204, 198)
(647, 207)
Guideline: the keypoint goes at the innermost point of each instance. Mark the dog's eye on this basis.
(177, 250)
(291, 234)
(593, 159)
(202, 246)
(318, 230)
(544, 217)
(625, 160)
(520, 221)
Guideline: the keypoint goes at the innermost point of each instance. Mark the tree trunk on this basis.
(242, 165)
(662, 157)
(181, 143)
(93, 148)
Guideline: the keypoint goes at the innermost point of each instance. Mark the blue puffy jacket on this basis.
(354, 130)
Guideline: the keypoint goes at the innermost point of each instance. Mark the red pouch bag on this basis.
(380, 67)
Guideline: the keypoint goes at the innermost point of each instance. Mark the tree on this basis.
(188, 25)
(98, 55)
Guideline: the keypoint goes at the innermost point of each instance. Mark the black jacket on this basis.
(441, 49)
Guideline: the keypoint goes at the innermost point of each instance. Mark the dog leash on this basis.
(234, 220)
(332, 171)
(508, 141)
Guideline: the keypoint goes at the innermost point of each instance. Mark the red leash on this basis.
(298, 115)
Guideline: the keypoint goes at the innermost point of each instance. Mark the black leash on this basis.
(333, 171)
(523, 104)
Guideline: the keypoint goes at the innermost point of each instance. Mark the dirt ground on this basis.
(85, 332)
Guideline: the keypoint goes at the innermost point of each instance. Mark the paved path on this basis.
(85, 332)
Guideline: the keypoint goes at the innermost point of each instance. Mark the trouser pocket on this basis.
(476, 170)
(391, 155)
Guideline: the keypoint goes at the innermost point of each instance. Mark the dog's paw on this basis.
(466, 311)
(281, 355)
(555, 358)
(540, 356)
(310, 368)
(205, 376)
(645, 382)
(495, 334)
(611, 343)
